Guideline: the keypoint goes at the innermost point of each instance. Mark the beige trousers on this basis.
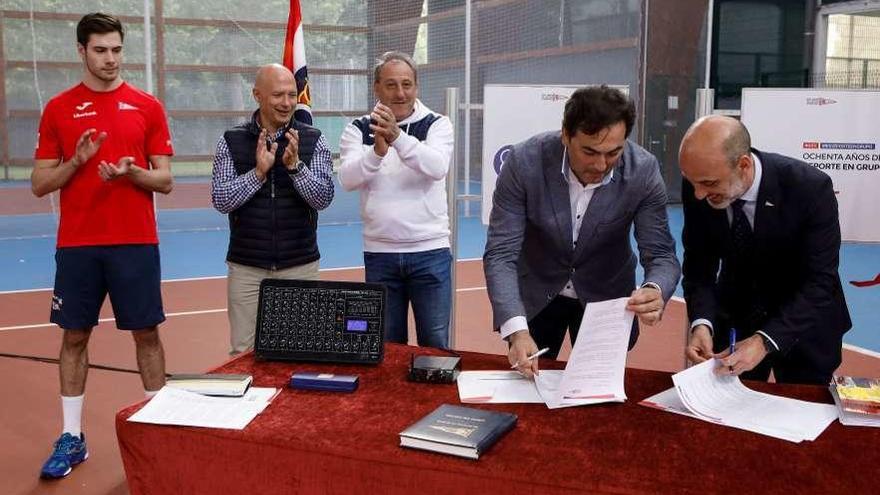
(243, 296)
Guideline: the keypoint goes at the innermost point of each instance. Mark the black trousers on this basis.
(548, 327)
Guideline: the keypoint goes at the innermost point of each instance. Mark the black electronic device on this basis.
(311, 320)
(434, 369)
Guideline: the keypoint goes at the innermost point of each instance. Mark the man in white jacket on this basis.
(398, 157)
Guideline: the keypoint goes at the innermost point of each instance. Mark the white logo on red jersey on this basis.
(125, 106)
(84, 105)
(85, 114)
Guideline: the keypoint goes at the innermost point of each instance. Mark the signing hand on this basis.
(521, 347)
(749, 353)
(110, 171)
(291, 152)
(647, 304)
(265, 155)
(699, 347)
(86, 147)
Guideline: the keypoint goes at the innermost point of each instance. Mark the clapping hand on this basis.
(86, 147)
(111, 171)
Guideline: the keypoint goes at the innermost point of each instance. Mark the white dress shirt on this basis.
(750, 203)
(579, 197)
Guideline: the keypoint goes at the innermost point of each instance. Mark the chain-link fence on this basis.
(203, 56)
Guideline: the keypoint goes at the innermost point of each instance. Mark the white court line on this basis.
(104, 320)
(849, 347)
(861, 350)
(168, 315)
(22, 291)
(217, 277)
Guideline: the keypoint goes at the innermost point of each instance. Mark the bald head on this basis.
(715, 158)
(275, 93)
(270, 74)
(716, 135)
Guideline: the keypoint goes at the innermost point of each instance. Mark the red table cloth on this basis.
(326, 442)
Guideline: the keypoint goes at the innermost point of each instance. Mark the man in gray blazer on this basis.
(559, 238)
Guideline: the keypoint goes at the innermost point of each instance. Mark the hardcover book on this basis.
(224, 385)
(456, 430)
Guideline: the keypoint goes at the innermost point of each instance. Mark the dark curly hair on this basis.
(595, 108)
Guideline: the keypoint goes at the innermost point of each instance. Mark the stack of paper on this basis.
(724, 400)
(172, 406)
(498, 387)
(594, 372)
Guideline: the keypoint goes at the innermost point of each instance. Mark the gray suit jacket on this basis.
(530, 254)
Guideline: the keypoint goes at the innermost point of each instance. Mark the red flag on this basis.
(295, 59)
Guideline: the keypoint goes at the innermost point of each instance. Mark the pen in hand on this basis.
(533, 356)
(732, 344)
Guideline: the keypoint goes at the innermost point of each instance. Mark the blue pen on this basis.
(732, 340)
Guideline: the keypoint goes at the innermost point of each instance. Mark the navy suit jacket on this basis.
(797, 246)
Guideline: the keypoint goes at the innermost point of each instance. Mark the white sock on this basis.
(71, 409)
(150, 393)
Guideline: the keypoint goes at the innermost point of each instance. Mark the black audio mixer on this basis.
(308, 320)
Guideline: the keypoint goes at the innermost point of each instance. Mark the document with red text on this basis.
(725, 400)
(594, 372)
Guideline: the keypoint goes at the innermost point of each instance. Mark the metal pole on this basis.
(710, 19)
(705, 103)
(467, 105)
(148, 48)
(148, 77)
(820, 29)
(452, 206)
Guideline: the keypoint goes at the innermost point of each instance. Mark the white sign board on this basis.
(514, 113)
(835, 131)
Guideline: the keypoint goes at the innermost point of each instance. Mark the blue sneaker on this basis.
(69, 451)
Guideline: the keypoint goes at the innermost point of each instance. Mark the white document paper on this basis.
(594, 372)
(595, 369)
(171, 406)
(724, 400)
(497, 387)
(669, 401)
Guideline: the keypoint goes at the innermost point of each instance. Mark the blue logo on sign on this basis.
(500, 156)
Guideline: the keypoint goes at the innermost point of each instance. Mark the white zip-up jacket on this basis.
(403, 194)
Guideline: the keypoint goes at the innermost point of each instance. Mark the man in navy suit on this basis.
(771, 224)
(559, 233)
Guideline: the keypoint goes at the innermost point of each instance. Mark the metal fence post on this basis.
(452, 206)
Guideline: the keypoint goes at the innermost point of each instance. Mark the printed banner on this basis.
(835, 131)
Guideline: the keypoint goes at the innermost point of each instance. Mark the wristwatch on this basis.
(296, 167)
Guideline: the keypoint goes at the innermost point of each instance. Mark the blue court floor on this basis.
(193, 244)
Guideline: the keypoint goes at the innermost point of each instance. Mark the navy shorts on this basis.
(85, 275)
